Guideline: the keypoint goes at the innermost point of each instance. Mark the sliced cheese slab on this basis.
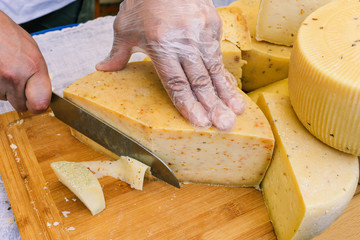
(324, 75)
(235, 28)
(125, 168)
(280, 87)
(279, 21)
(134, 101)
(82, 183)
(308, 184)
(265, 62)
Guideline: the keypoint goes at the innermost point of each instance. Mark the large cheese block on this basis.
(324, 75)
(281, 87)
(266, 62)
(279, 21)
(308, 184)
(133, 100)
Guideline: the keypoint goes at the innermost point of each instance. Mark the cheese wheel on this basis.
(279, 21)
(265, 62)
(308, 184)
(324, 77)
(134, 101)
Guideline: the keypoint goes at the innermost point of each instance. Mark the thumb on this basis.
(117, 59)
(38, 92)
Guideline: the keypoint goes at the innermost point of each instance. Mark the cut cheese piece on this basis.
(125, 168)
(235, 28)
(324, 75)
(82, 183)
(134, 101)
(265, 62)
(279, 21)
(308, 184)
(281, 87)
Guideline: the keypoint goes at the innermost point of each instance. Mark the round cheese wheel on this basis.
(324, 75)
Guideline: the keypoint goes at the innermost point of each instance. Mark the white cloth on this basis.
(21, 11)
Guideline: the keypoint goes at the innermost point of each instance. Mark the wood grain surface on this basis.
(160, 211)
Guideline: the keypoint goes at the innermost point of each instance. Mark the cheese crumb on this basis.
(70, 229)
(19, 122)
(10, 136)
(66, 199)
(13, 146)
(51, 114)
(65, 213)
(48, 224)
(56, 223)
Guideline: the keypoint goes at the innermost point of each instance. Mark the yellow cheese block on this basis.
(279, 21)
(308, 184)
(280, 87)
(324, 75)
(134, 101)
(266, 62)
(235, 28)
(82, 183)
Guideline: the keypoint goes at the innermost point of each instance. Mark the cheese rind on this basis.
(279, 21)
(265, 62)
(308, 184)
(134, 101)
(324, 82)
(82, 183)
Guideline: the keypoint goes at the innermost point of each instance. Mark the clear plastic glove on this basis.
(182, 39)
(24, 79)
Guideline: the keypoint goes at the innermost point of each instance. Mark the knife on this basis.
(109, 137)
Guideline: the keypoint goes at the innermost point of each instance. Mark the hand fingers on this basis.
(38, 92)
(178, 88)
(118, 57)
(220, 115)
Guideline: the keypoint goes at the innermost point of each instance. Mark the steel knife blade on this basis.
(109, 137)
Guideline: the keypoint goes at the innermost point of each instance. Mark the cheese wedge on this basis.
(308, 184)
(324, 75)
(235, 28)
(133, 100)
(265, 62)
(82, 183)
(280, 87)
(279, 21)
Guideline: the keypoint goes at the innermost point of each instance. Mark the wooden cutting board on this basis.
(30, 143)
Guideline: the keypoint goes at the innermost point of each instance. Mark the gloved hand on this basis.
(182, 39)
(24, 79)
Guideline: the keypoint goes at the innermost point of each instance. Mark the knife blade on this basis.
(109, 137)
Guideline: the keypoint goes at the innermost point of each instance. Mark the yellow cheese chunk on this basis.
(324, 75)
(308, 184)
(266, 62)
(279, 21)
(235, 28)
(281, 87)
(82, 183)
(134, 101)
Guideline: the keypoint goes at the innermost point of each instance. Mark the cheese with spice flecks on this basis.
(134, 101)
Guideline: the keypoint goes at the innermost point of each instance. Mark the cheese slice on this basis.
(235, 28)
(308, 184)
(265, 62)
(324, 75)
(279, 21)
(125, 168)
(280, 87)
(134, 101)
(82, 183)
